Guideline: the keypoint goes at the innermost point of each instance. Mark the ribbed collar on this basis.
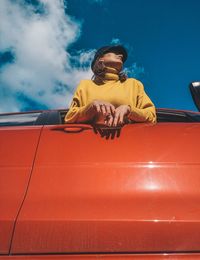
(111, 74)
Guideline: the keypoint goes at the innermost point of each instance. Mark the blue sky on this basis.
(162, 38)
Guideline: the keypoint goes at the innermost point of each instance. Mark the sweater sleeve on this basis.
(77, 112)
(145, 109)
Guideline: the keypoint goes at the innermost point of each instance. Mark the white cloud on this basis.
(42, 65)
(134, 70)
(115, 41)
(43, 70)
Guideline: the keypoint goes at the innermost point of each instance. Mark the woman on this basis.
(110, 97)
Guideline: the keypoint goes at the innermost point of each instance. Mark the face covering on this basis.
(112, 69)
(111, 74)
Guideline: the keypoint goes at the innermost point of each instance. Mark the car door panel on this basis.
(17, 150)
(138, 192)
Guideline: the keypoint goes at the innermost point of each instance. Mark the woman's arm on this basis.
(78, 111)
(145, 109)
(78, 114)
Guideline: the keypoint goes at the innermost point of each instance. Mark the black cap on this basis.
(112, 48)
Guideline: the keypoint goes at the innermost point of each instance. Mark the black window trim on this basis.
(56, 116)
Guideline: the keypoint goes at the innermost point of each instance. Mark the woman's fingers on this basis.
(116, 118)
(108, 109)
(110, 120)
(103, 109)
(97, 107)
(121, 118)
(112, 108)
(110, 115)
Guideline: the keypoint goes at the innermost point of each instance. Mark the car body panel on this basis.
(178, 256)
(17, 151)
(135, 193)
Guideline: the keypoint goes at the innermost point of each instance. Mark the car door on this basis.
(18, 143)
(135, 192)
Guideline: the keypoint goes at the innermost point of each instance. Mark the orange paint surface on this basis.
(136, 193)
(17, 150)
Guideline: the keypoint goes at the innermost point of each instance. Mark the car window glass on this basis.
(18, 119)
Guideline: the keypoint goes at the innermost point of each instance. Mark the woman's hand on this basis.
(106, 113)
(103, 107)
(102, 111)
(120, 113)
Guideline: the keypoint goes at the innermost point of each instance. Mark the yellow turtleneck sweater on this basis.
(130, 92)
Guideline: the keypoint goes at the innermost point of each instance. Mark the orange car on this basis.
(69, 193)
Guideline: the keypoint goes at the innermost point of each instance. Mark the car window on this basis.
(177, 116)
(18, 119)
(62, 115)
(163, 115)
